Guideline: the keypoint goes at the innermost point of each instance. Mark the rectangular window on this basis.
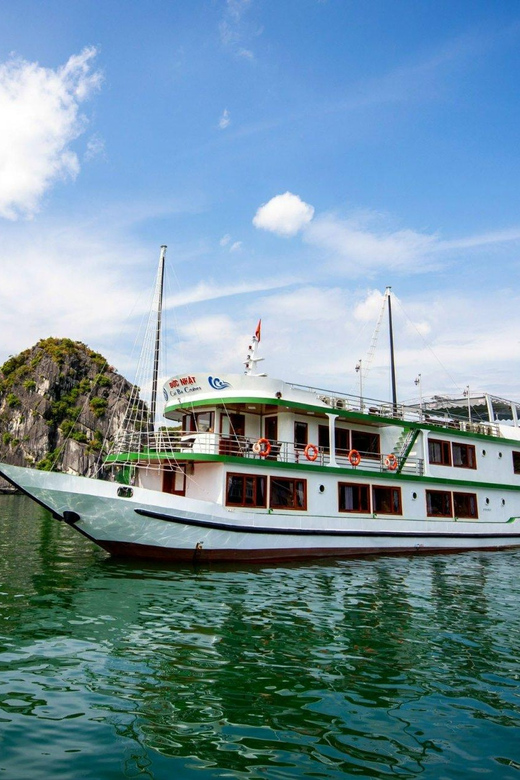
(438, 503)
(342, 436)
(366, 443)
(245, 490)
(353, 498)
(199, 422)
(464, 456)
(465, 505)
(516, 462)
(288, 493)
(342, 441)
(439, 452)
(323, 438)
(386, 500)
(301, 435)
(175, 481)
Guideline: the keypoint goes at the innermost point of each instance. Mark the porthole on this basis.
(487, 501)
(503, 502)
(484, 453)
(414, 495)
(322, 488)
(125, 492)
(499, 454)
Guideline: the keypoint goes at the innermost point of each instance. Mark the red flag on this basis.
(258, 329)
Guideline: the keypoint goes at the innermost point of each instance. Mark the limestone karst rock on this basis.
(59, 403)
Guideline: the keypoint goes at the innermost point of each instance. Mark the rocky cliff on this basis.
(60, 403)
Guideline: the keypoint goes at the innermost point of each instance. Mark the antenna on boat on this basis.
(158, 296)
(392, 357)
(251, 359)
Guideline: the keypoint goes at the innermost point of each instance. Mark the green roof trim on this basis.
(343, 414)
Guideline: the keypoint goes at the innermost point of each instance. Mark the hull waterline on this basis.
(161, 526)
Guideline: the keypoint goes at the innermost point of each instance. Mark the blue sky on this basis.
(296, 157)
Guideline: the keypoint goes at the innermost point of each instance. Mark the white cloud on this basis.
(225, 120)
(224, 241)
(356, 248)
(209, 291)
(236, 247)
(369, 309)
(95, 147)
(285, 214)
(40, 115)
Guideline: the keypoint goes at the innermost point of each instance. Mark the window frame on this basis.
(244, 477)
(295, 505)
(389, 488)
(470, 449)
(372, 453)
(359, 487)
(516, 466)
(300, 445)
(447, 494)
(445, 451)
(459, 494)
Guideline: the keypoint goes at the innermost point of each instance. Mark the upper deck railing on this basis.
(401, 412)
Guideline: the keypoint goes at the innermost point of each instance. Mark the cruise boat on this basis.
(248, 467)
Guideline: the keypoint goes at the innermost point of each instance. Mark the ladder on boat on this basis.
(403, 447)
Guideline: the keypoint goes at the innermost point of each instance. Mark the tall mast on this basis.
(392, 357)
(159, 285)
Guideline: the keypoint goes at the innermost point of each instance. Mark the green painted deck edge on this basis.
(338, 471)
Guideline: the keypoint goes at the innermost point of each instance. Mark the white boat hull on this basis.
(156, 525)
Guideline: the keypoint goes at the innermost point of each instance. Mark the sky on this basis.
(296, 157)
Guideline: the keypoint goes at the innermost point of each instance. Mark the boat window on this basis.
(386, 500)
(353, 497)
(174, 481)
(464, 456)
(439, 452)
(438, 503)
(245, 490)
(271, 428)
(288, 493)
(198, 422)
(301, 434)
(342, 436)
(516, 462)
(368, 444)
(465, 505)
(324, 438)
(236, 424)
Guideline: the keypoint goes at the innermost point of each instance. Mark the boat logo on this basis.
(217, 384)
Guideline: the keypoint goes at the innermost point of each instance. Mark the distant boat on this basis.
(261, 469)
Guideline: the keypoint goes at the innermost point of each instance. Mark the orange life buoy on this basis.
(391, 462)
(354, 457)
(311, 452)
(262, 447)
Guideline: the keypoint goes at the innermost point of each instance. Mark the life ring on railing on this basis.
(311, 452)
(391, 462)
(262, 447)
(354, 458)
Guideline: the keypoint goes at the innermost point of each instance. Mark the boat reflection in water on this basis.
(365, 667)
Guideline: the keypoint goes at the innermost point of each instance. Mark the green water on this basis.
(376, 668)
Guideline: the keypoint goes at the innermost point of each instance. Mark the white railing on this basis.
(172, 445)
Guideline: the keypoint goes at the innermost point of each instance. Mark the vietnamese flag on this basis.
(258, 329)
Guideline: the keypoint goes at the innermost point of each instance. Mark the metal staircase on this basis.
(403, 447)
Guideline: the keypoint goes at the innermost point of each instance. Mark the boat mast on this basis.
(159, 285)
(392, 357)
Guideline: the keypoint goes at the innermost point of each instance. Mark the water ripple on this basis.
(383, 668)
